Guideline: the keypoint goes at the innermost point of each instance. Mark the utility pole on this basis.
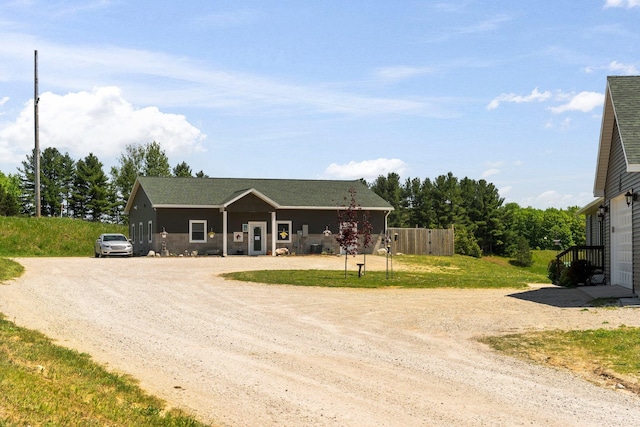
(36, 152)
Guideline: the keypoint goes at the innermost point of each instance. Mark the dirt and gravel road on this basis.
(243, 354)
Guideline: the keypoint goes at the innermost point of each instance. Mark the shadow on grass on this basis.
(556, 297)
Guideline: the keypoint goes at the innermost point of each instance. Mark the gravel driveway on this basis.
(243, 354)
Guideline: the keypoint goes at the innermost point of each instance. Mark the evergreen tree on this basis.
(90, 190)
(482, 206)
(389, 189)
(156, 162)
(56, 177)
(448, 206)
(182, 170)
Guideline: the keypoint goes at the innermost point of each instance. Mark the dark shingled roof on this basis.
(622, 110)
(625, 96)
(285, 193)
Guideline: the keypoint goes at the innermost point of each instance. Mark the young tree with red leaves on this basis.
(347, 238)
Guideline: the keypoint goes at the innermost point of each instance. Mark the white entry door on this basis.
(257, 238)
(621, 243)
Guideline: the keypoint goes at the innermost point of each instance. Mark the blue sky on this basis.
(506, 91)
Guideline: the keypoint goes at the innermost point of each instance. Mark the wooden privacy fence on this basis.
(422, 241)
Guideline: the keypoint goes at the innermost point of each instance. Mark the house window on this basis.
(283, 231)
(140, 231)
(197, 231)
(133, 233)
(150, 231)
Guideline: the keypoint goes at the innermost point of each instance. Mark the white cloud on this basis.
(401, 72)
(622, 3)
(367, 169)
(101, 122)
(153, 78)
(4, 100)
(490, 172)
(534, 96)
(491, 24)
(583, 101)
(504, 191)
(555, 199)
(228, 19)
(616, 67)
(625, 69)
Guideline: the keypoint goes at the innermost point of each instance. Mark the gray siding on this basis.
(593, 230)
(618, 182)
(175, 221)
(142, 212)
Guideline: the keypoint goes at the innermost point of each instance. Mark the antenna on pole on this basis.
(36, 151)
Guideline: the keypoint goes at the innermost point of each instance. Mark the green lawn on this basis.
(411, 271)
(44, 384)
(605, 355)
(53, 237)
(9, 269)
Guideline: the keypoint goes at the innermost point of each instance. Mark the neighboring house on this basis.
(233, 216)
(617, 182)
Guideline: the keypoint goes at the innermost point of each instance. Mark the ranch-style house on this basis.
(243, 216)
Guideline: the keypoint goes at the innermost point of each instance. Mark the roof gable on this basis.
(280, 193)
(621, 109)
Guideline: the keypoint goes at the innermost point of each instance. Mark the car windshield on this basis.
(114, 238)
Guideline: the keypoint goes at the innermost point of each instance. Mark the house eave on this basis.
(170, 206)
(591, 207)
(604, 145)
(134, 190)
(256, 193)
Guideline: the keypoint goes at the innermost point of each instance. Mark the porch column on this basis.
(224, 233)
(274, 234)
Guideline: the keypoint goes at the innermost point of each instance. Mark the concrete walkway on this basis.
(625, 295)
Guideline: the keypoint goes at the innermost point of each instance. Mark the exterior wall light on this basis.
(630, 197)
(601, 211)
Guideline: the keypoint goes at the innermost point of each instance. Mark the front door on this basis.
(621, 243)
(257, 238)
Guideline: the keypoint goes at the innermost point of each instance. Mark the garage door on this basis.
(621, 243)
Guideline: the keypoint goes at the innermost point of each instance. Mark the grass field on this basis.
(413, 272)
(51, 236)
(44, 384)
(9, 269)
(608, 356)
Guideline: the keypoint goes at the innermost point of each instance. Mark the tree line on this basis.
(483, 223)
(82, 189)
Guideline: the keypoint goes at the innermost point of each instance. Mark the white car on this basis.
(112, 244)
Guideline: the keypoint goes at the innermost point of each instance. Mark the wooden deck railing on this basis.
(593, 254)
